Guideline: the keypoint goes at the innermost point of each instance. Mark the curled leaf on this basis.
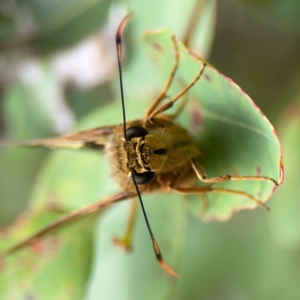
(236, 138)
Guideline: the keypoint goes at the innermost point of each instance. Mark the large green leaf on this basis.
(235, 136)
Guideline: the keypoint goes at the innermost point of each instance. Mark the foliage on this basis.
(242, 258)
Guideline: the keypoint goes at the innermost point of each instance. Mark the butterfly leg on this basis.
(170, 103)
(163, 94)
(209, 189)
(126, 241)
(201, 174)
(179, 108)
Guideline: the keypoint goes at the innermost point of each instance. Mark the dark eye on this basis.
(135, 131)
(143, 178)
(160, 151)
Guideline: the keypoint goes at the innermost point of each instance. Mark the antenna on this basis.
(119, 53)
(154, 243)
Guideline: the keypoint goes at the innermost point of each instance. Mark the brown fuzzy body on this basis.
(176, 170)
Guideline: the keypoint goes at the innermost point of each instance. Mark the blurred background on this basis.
(58, 65)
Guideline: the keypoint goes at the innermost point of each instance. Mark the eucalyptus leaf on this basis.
(236, 138)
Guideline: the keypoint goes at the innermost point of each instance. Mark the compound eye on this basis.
(135, 131)
(143, 178)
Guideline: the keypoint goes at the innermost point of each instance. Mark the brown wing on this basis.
(92, 138)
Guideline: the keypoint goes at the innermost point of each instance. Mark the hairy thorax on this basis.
(166, 150)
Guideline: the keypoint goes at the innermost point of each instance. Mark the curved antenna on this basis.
(119, 53)
(154, 243)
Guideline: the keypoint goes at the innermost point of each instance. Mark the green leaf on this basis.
(234, 135)
(35, 272)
